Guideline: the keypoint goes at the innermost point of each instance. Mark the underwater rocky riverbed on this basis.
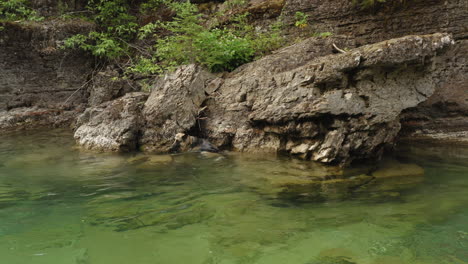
(59, 205)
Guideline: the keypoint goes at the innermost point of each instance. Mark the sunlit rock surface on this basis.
(330, 109)
(112, 126)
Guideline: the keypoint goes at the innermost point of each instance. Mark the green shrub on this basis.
(184, 39)
(322, 34)
(12, 10)
(219, 49)
(116, 27)
(236, 3)
(151, 5)
(301, 20)
(99, 44)
(190, 42)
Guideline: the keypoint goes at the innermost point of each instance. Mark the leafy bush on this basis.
(236, 3)
(301, 20)
(116, 28)
(17, 10)
(184, 39)
(219, 49)
(322, 34)
(99, 44)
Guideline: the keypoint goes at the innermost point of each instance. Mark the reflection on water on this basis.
(59, 205)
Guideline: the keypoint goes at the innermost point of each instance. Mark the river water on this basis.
(59, 205)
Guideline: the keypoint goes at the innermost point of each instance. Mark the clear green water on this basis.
(60, 206)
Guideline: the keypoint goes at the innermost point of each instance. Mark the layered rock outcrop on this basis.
(41, 84)
(331, 109)
(444, 115)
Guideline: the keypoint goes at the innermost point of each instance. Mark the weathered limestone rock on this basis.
(444, 116)
(112, 126)
(23, 118)
(330, 109)
(391, 19)
(107, 85)
(173, 108)
(39, 81)
(342, 107)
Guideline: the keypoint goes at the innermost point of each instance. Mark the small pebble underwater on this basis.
(59, 205)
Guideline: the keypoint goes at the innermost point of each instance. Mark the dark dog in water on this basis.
(184, 142)
(208, 147)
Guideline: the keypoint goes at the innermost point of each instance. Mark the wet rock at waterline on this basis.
(112, 126)
(330, 109)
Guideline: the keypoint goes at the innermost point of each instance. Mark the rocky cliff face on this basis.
(39, 83)
(444, 115)
(446, 111)
(303, 100)
(331, 108)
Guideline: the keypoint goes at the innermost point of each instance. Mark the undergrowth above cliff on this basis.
(185, 37)
(13, 10)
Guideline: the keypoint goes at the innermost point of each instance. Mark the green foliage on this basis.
(116, 27)
(147, 66)
(323, 34)
(151, 5)
(301, 20)
(13, 10)
(99, 44)
(265, 42)
(219, 49)
(113, 17)
(236, 3)
(182, 40)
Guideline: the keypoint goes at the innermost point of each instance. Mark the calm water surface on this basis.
(59, 206)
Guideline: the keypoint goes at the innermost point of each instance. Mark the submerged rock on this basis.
(150, 161)
(33, 160)
(112, 126)
(286, 180)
